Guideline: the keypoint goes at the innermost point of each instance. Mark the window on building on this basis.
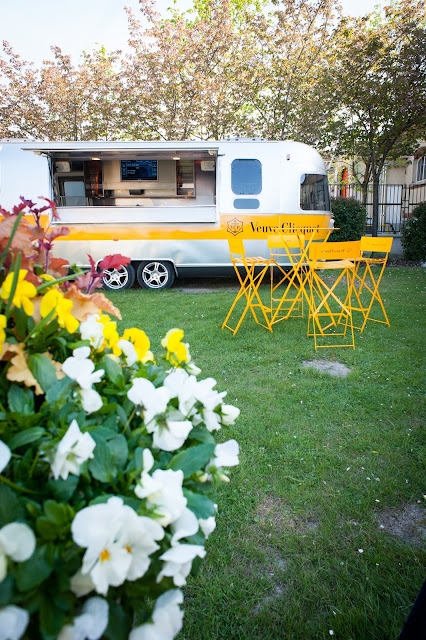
(421, 169)
(314, 194)
(246, 177)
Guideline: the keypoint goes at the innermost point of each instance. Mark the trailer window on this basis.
(246, 177)
(314, 194)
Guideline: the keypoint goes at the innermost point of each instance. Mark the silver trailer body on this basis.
(173, 203)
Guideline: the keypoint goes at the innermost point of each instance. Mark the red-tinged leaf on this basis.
(85, 304)
(23, 236)
(92, 263)
(82, 282)
(27, 203)
(18, 209)
(57, 233)
(115, 261)
(58, 267)
(50, 205)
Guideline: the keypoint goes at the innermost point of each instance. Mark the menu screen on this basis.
(139, 170)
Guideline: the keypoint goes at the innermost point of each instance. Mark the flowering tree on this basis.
(375, 90)
(108, 455)
(60, 101)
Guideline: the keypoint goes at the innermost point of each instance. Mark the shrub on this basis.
(349, 219)
(414, 235)
(108, 456)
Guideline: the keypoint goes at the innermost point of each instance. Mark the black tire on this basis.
(119, 279)
(156, 275)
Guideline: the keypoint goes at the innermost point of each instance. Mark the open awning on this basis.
(157, 150)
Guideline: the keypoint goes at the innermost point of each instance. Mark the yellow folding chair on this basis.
(366, 282)
(250, 272)
(330, 311)
(287, 282)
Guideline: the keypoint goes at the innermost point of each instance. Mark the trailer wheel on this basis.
(119, 279)
(156, 275)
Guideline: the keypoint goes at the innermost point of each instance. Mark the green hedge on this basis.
(349, 219)
(414, 235)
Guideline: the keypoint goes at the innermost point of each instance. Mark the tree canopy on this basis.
(275, 69)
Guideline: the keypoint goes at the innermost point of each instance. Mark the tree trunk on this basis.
(375, 224)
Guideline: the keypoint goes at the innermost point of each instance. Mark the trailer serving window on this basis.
(246, 177)
(314, 194)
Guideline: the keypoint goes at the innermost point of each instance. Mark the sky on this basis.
(33, 26)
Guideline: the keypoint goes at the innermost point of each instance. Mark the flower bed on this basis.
(108, 458)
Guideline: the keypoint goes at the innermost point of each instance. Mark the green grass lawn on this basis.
(299, 551)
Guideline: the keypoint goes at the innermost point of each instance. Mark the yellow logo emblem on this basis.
(235, 226)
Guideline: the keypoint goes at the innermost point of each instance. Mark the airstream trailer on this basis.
(169, 206)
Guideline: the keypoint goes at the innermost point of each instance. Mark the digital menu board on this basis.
(139, 170)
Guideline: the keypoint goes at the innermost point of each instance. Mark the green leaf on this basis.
(57, 389)
(20, 400)
(36, 569)
(192, 459)
(62, 490)
(6, 590)
(26, 437)
(46, 529)
(43, 371)
(119, 623)
(121, 414)
(201, 435)
(113, 371)
(10, 507)
(119, 449)
(58, 513)
(102, 464)
(51, 618)
(201, 505)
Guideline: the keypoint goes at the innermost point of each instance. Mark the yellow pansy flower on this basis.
(3, 323)
(54, 300)
(177, 351)
(172, 339)
(24, 291)
(111, 336)
(141, 342)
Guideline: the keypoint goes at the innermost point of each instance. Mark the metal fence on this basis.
(396, 202)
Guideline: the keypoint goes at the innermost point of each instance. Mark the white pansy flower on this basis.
(129, 351)
(184, 387)
(207, 395)
(167, 619)
(226, 454)
(91, 624)
(207, 525)
(175, 380)
(74, 449)
(91, 401)
(211, 420)
(186, 525)
(93, 330)
(229, 414)
(81, 584)
(153, 400)
(162, 490)
(171, 434)
(138, 536)
(178, 562)
(17, 541)
(79, 368)
(13, 622)
(5, 455)
(118, 542)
